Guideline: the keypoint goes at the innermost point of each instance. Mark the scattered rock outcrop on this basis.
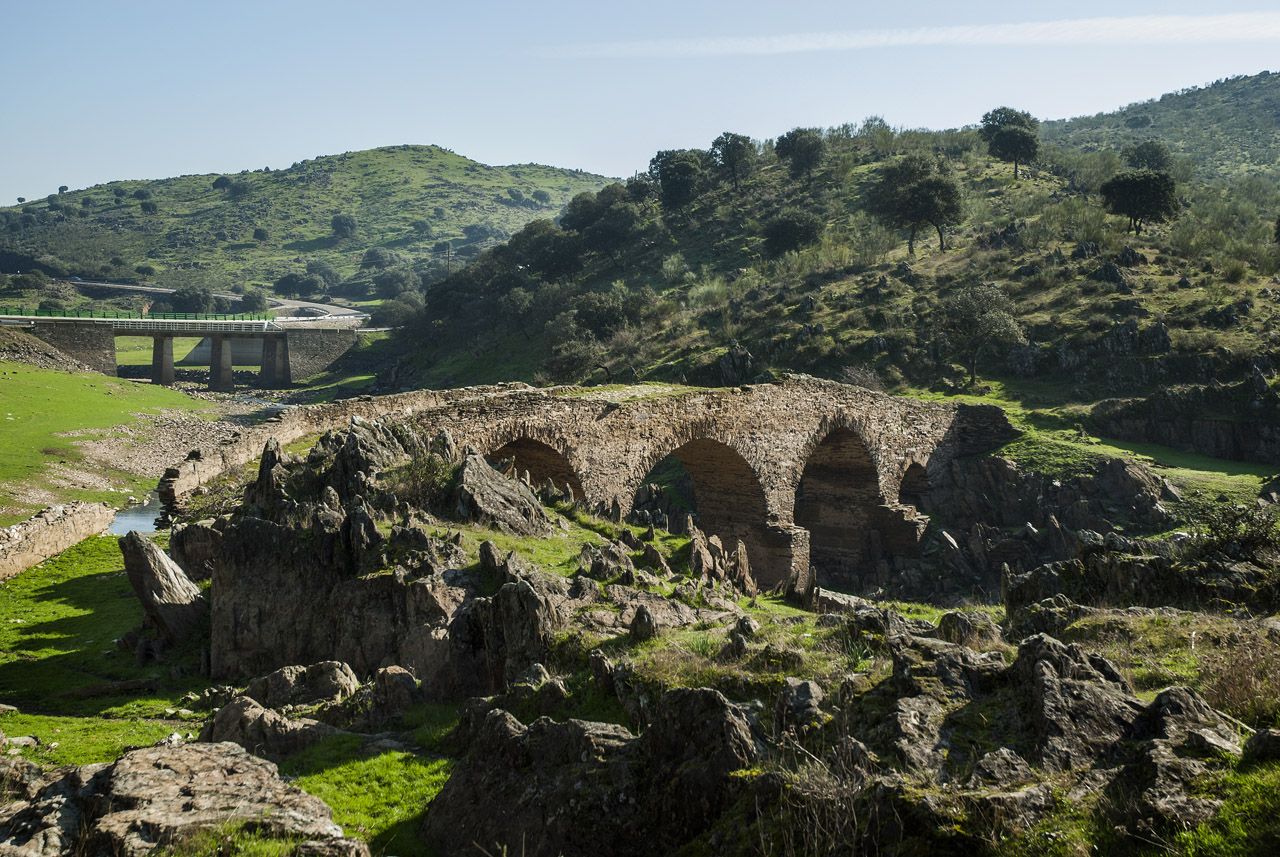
(579, 788)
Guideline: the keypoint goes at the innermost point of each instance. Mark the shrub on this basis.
(1235, 531)
(790, 230)
(1244, 681)
(424, 481)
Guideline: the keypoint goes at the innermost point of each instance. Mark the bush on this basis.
(790, 230)
(1235, 531)
(424, 481)
(343, 225)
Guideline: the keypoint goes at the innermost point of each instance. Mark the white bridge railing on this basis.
(154, 325)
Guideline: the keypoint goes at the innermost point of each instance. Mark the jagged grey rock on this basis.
(174, 605)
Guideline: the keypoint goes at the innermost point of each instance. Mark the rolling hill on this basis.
(407, 198)
(1225, 129)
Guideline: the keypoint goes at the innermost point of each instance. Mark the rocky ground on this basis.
(633, 693)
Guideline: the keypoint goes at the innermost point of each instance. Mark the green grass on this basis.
(136, 350)
(235, 839)
(1248, 825)
(58, 626)
(40, 407)
(379, 797)
(87, 740)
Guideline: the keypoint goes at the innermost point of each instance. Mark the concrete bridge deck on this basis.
(286, 351)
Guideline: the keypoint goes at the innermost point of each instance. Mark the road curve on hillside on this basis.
(292, 307)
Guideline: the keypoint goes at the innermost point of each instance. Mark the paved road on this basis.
(290, 307)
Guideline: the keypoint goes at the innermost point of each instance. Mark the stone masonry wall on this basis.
(93, 345)
(311, 351)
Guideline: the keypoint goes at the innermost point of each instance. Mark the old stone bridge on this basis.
(803, 471)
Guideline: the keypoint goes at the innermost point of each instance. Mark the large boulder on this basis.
(484, 496)
(195, 547)
(1080, 707)
(262, 731)
(326, 681)
(174, 605)
(160, 796)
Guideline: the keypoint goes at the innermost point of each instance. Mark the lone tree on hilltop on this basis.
(1143, 196)
(21, 200)
(735, 154)
(914, 192)
(62, 188)
(976, 319)
(343, 225)
(221, 183)
(802, 149)
(1010, 135)
(1149, 155)
(790, 230)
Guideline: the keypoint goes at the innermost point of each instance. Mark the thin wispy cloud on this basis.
(1127, 30)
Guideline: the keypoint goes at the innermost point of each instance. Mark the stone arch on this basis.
(542, 460)
(839, 501)
(913, 488)
(730, 501)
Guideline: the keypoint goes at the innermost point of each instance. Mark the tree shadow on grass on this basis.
(71, 664)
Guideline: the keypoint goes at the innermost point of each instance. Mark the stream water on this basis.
(146, 518)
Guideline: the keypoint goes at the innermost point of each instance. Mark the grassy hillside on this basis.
(406, 198)
(1225, 129)
(685, 284)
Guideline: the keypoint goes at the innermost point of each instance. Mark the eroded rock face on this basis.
(579, 788)
(195, 547)
(156, 796)
(174, 605)
(1111, 577)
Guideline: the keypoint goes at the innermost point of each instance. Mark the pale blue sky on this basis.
(92, 91)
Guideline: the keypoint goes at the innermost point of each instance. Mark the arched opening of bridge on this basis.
(541, 460)
(714, 483)
(838, 501)
(914, 489)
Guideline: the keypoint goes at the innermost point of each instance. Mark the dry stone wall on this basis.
(49, 533)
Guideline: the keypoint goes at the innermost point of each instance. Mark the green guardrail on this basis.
(131, 314)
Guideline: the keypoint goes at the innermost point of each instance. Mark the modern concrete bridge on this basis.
(288, 351)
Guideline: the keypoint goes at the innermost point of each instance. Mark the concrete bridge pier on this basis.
(162, 360)
(275, 363)
(221, 378)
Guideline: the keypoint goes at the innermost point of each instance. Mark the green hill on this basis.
(405, 198)
(1224, 129)
(670, 295)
